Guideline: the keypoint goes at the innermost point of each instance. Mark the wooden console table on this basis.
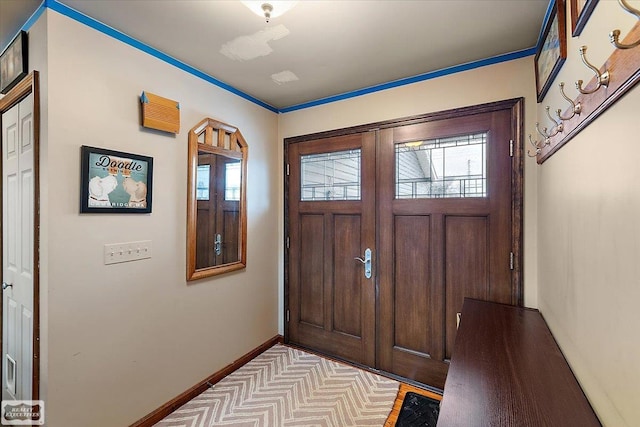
(507, 370)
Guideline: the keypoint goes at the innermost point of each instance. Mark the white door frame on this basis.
(28, 85)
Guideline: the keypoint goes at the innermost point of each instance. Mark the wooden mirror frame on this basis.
(215, 137)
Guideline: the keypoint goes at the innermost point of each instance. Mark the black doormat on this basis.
(418, 411)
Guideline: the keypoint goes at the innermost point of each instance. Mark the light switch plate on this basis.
(123, 252)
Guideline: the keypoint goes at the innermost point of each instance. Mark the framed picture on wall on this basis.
(580, 12)
(13, 62)
(115, 182)
(552, 50)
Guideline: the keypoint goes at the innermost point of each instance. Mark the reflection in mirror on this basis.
(216, 209)
(218, 195)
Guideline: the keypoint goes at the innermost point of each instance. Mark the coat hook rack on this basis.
(601, 79)
(619, 74)
(614, 36)
(575, 108)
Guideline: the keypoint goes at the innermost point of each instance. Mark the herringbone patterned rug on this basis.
(286, 387)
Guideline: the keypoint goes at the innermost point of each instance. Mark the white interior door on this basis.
(17, 250)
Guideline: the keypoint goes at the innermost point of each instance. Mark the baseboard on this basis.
(160, 413)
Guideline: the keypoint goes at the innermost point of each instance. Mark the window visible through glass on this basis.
(442, 168)
(202, 182)
(330, 176)
(232, 181)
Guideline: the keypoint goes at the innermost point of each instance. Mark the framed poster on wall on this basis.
(552, 50)
(13, 62)
(115, 182)
(580, 12)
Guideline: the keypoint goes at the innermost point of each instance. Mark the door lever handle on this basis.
(217, 245)
(367, 263)
(6, 285)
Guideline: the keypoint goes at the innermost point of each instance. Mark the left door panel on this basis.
(331, 224)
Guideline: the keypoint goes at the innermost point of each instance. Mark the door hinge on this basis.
(510, 260)
(511, 148)
(287, 169)
(287, 242)
(288, 315)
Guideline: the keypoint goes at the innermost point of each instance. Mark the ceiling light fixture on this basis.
(269, 9)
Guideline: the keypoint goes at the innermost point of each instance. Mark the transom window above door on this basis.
(330, 176)
(442, 168)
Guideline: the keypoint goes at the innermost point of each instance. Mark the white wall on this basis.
(123, 339)
(506, 80)
(589, 235)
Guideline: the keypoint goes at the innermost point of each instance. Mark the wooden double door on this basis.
(389, 229)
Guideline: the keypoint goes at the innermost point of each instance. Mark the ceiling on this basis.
(330, 47)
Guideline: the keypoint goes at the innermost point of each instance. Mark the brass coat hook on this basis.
(601, 79)
(559, 126)
(536, 145)
(575, 108)
(614, 36)
(542, 132)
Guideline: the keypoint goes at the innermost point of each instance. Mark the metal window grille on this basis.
(442, 168)
(331, 176)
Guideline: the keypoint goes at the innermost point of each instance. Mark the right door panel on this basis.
(445, 232)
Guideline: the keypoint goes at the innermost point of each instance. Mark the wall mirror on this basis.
(216, 205)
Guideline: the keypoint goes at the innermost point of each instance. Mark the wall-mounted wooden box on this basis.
(160, 113)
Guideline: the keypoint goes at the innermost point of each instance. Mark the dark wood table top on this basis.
(507, 370)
